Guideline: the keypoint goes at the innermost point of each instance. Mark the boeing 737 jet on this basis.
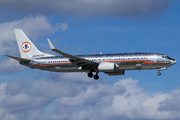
(111, 64)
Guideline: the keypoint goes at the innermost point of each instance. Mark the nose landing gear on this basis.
(159, 73)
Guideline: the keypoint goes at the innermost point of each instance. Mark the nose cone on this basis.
(173, 62)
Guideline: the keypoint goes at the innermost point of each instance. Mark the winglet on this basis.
(69, 55)
(51, 45)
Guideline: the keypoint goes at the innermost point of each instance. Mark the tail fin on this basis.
(26, 47)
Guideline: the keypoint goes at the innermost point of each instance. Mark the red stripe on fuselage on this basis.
(153, 62)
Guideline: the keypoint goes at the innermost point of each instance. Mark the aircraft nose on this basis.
(173, 61)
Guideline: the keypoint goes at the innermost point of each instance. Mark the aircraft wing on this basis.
(18, 59)
(72, 57)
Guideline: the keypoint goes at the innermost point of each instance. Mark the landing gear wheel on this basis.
(159, 73)
(90, 75)
(96, 77)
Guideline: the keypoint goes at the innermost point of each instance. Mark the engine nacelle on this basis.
(108, 67)
(119, 72)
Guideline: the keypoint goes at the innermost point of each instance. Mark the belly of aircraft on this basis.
(142, 66)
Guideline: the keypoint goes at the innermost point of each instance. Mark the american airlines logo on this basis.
(26, 47)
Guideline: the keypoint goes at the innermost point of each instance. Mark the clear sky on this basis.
(88, 27)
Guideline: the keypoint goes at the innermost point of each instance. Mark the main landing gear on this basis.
(96, 77)
(90, 75)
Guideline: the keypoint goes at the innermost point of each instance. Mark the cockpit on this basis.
(167, 57)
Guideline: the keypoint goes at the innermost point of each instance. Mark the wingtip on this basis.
(6, 55)
(50, 44)
(17, 29)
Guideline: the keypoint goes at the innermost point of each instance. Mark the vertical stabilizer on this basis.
(26, 48)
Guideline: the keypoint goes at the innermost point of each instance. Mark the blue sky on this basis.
(88, 27)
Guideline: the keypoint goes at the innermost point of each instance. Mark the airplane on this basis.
(111, 64)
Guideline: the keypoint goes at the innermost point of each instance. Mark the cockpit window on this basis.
(170, 58)
(167, 57)
(164, 56)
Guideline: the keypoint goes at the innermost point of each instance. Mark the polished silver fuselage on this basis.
(125, 61)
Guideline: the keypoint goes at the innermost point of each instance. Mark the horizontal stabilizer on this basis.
(18, 59)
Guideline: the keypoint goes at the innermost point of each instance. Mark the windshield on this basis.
(167, 57)
(170, 58)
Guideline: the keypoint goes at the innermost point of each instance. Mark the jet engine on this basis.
(108, 67)
(119, 72)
